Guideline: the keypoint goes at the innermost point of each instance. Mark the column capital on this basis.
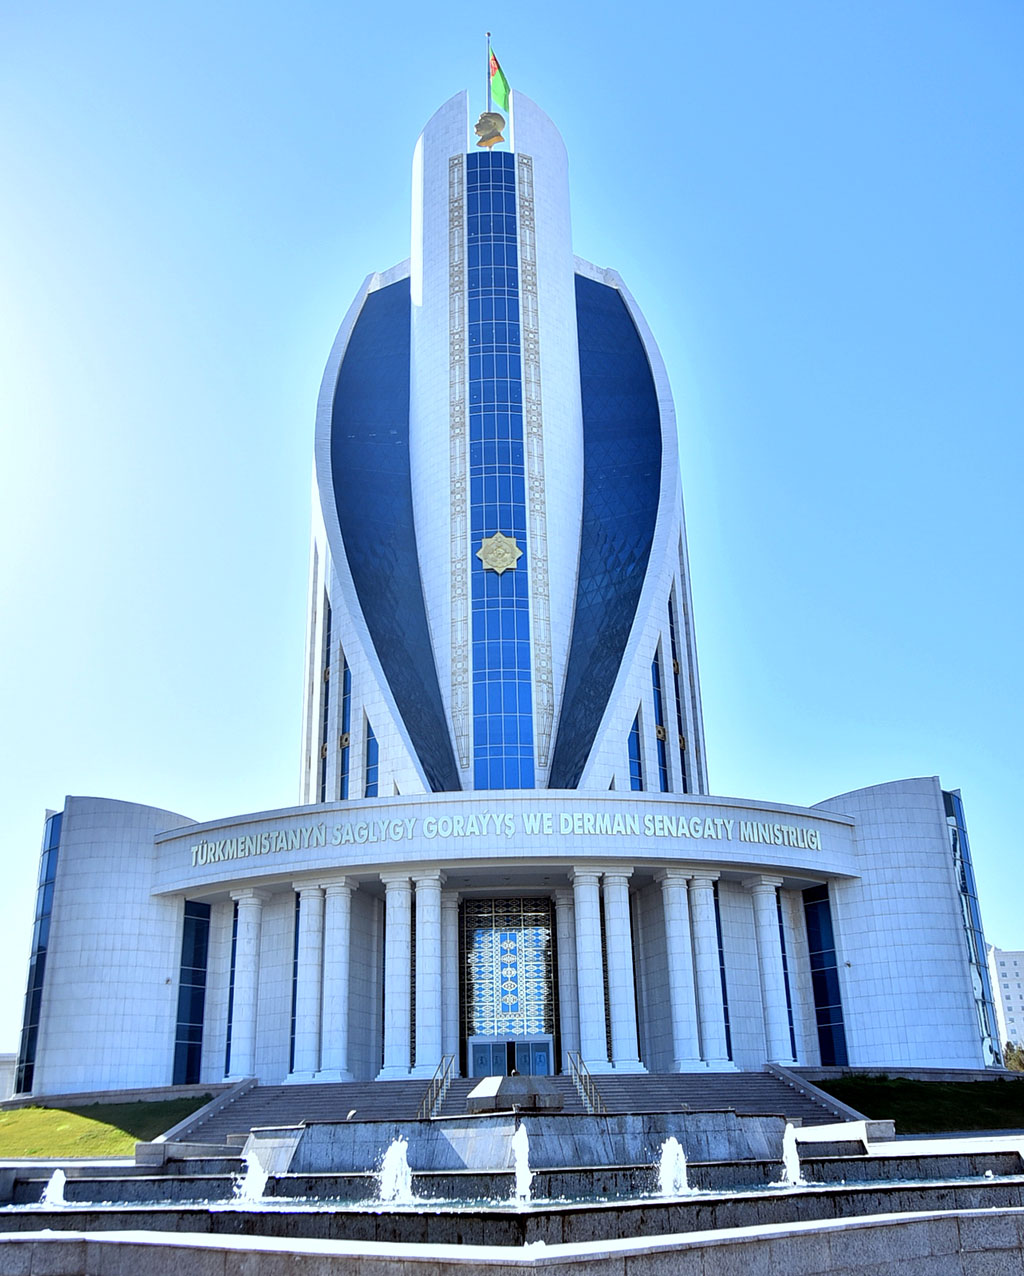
(563, 896)
(624, 873)
(429, 877)
(763, 881)
(584, 874)
(395, 881)
(702, 878)
(249, 895)
(673, 876)
(307, 888)
(333, 885)
(449, 899)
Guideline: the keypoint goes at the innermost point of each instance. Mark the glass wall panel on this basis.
(188, 1034)
(828, 1009)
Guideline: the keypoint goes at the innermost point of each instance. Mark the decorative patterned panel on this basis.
(507, 965)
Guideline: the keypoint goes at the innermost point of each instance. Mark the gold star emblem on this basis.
(498, 553)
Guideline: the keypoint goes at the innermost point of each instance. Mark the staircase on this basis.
(749, 1093)
(265, 1105)
(745, 1092)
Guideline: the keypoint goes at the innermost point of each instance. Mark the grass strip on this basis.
(932, 1107)
(98, 1130)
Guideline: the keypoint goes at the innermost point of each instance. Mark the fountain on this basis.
(521, 1162)
(672, 1180)
(792, 1175)
(394, 1178)
(53, 1193)
(250, 1186)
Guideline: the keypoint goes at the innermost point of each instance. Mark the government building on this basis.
(505, 853)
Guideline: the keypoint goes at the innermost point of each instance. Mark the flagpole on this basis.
(488, 70)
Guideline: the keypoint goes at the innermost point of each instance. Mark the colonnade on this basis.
(604, 1032)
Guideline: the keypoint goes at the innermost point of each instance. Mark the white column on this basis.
(590, 969)
(618, 936)
(428, 973)
(683, 1002)
(568, 994)
(450, 975)
(308, 983)
(247, 983)
(337, 965)
(769, 960)
(710, 1006)
(397, 975)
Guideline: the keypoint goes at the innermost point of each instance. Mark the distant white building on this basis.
(1006, 969)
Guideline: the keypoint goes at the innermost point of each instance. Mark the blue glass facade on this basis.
(188, 1034)
(325, 703)
(372, 763)
(659, 723)
(636, 766)
(828, 1006)
(373, 496)
(683, 773)
(785, 976)
(231, 990)
(721, 975)
(37, 962)
(964, 866)
(344, 759)
(503, 755)
(621, 485)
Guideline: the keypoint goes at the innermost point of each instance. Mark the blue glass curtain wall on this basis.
(325, 700)
(659, 723)
(373, 496)
(828, 1006)
(231, 991)
(372, 759)
(679, 697)
(721, 974)
(295, 984)
(344, 760)
(785, 976)
(964, 866)
(503, 756)
(636, 766)
(621, 486)
(188, 1034)
(37, 963)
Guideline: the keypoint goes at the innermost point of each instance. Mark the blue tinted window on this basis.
(621, 483)
(828, 1009)
(346, 727)
(371, 763)
(325, 701)
(499, 603)
(721, 974)
(373, 495)
(295, 982)
(231, 991)
(785, 977)
(188, 1034)
(25, 1071)
(659, 722)
(636, 766)
(679, 698)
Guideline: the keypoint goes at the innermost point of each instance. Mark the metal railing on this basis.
(437, 1089)
(585, 1085)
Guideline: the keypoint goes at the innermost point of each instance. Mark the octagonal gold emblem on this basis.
(499, 552)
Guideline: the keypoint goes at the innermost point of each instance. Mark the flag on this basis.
(499, 85)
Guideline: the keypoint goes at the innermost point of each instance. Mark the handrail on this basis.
(585, 1085)
(437, 1089)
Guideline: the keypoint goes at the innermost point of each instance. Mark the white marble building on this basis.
(1006, 973)
(506, 853)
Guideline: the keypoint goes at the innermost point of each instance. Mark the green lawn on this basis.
(933, 1107)
(101, 1129)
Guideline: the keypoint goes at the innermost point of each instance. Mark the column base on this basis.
(598, 1065)
(689, 1065)
(233, 1078)
(628, 1065)
(300, 1078)
(424, 1070)
(393, 1073)
(721, 1065)
(332, 1074)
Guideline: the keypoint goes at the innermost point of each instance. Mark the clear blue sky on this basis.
(817, 204)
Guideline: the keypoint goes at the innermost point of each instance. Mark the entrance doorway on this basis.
(489, 1058)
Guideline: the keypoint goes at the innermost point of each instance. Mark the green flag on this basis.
(499, 85)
